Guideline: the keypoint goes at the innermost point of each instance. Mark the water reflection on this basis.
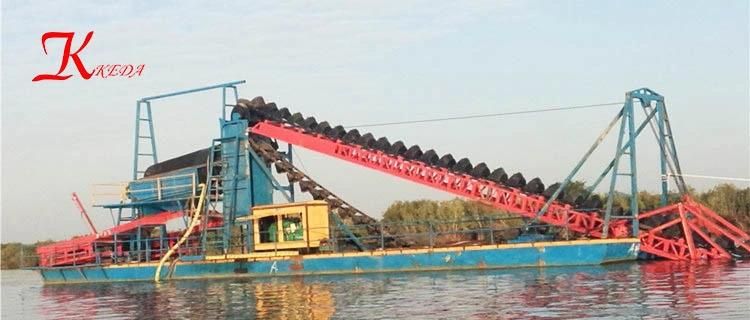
(291, 298)
(646, 290)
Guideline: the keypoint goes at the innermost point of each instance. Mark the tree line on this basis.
(728, 200)
(17, 255)
(451, 220)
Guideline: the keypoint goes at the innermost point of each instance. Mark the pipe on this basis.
(193, 223)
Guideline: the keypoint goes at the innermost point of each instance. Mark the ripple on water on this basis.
(652, 290)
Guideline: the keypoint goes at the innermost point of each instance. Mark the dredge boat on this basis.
(223, 199)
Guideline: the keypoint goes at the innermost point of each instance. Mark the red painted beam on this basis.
(80, 250)
(80, 207)
(691, 214)
(502, 197)
(693, 218)
(514, 201)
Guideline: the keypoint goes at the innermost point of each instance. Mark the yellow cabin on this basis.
(289, 226)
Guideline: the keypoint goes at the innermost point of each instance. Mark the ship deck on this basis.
(286, 263)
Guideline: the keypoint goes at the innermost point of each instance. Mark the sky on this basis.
(354, 62)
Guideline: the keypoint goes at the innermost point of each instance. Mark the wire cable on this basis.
(709, 177)
(299, 159)
(476, 116)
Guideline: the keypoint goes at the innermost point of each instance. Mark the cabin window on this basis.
(292, 227)
(267, 229)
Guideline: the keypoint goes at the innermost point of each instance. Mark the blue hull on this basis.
(540, 254)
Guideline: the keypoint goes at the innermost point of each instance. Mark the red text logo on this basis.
(103, 71)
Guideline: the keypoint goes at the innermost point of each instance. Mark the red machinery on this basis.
(692, 217)
(87, 249)
(80, 207)
(82, 250)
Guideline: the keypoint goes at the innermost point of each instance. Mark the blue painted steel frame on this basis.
(138, 136)
(146, 103)
(246, 181)
(668, 154)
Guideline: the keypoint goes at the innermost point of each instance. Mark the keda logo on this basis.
(103, 70)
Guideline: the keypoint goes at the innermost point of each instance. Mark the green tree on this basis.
(455, 215)
(448, 221)
(16, 255)
(730, 202)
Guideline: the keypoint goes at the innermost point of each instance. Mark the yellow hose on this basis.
(193, 223)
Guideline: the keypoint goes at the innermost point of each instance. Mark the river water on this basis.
(652, 290)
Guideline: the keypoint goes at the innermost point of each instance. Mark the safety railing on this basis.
(107, 193)
(114, 251)
(480, 230)
(173, 187)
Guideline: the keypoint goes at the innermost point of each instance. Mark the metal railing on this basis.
(119, 192)
(481, 230)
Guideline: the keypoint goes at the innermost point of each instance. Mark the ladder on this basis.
(144, 156)
(143, 134)
(228, 166)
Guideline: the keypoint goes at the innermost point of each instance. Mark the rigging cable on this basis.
(488, 115)
(709, 177)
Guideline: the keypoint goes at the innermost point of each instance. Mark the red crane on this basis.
(80, 207)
